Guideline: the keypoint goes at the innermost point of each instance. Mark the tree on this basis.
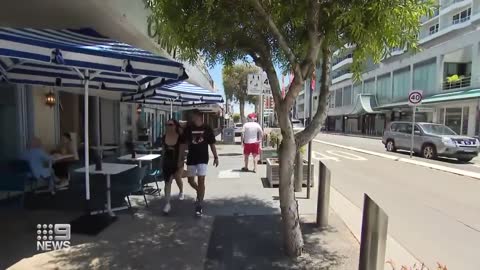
(298, 36)
(235, 85)
(236, 117)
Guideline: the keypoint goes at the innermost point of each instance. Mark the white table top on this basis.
(104, 147)
(139, 157)
(108, 168)
(58, 157)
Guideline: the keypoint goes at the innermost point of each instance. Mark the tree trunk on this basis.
(292, 234)
(242, 111)
(298, 175)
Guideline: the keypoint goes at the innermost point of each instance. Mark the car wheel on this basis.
(390, 146)
(465, 159)
(429, 151)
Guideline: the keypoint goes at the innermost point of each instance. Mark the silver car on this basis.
(430, 140)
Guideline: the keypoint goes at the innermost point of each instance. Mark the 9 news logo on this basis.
(53, 236)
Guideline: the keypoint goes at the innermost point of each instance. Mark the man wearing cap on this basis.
(251, 138)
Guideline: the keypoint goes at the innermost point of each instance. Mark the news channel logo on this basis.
(53, 236)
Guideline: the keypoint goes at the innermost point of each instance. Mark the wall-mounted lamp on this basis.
(139, 108)
(50, 99)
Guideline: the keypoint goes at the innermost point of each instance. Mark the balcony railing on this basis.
(462, 82)
(340, 59)
(461, 20)
(341, 73)
(448, 3)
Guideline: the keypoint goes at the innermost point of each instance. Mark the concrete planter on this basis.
(268, 152)
(273, 172)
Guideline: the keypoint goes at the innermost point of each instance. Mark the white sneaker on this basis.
(181, 196)
(166, 208)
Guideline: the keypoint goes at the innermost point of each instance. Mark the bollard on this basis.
(374, 236)
(309, 169)
(298, 172)
(323, 200)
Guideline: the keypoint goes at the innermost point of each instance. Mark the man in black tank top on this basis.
(198, 136)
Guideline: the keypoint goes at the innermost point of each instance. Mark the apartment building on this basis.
(447, 70)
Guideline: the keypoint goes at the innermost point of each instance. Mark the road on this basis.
(377, 146)
(435, 215)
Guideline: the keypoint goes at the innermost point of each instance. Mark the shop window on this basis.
(453, 119)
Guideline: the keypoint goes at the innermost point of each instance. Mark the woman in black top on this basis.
(170, 147)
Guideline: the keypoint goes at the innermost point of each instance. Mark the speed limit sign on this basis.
(415, 97)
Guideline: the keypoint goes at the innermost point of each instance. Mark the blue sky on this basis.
(216, 73)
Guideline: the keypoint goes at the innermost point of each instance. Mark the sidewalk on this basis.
(240, 230)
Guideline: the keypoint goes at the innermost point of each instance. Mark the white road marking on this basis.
(228, 174)
(415, 162)
(476, 165)
(320, 156)
(346, 155)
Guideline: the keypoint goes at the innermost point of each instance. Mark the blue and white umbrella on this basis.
(81, 58)
(181, 94)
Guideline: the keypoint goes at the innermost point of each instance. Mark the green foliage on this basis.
(229, 30)
(235, 82)
(274, 139)
(236, 117)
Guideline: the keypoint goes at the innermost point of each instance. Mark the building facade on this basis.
(447, 70)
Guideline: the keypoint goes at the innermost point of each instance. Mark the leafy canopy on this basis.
(229, 30)
(235, 82)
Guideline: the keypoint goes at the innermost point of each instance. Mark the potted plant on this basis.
(272, 145)
(273, 167)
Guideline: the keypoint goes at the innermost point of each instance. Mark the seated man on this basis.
(39, 162)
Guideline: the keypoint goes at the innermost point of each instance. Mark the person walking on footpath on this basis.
(170, 143)
(252, 135)
(198, 136)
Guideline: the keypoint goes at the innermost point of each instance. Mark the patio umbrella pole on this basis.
(87, 146)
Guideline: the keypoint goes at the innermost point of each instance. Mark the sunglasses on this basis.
(170, 124)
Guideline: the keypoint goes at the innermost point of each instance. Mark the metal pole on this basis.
(171, 109)
(309, 158)
(323, 200)
(413, 131)
(374, 236)
(97, 127)
(87, 145)
(261, 116)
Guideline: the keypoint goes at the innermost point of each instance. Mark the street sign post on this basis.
(258, 85)
(414, 98)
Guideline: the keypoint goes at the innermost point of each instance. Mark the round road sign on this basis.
(415, 97)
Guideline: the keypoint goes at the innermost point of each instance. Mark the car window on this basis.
(401, 127)
(409, 129)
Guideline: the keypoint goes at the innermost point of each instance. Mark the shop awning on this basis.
(61, 57)
(364, 104)
(176, 94)
(453, 96)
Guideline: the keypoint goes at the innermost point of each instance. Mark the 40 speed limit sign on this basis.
(415, 97)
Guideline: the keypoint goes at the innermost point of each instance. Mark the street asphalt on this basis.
(435, 215)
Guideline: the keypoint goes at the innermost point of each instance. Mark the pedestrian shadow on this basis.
(230, 154)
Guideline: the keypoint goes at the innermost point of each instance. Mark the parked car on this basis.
(238, 129)
(430, 141)
(297, 125)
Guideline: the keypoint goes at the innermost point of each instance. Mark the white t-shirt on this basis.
(251, 131)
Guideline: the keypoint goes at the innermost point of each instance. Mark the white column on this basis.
(472, 113)
(411, 77)
(475, 65)
(439, 74)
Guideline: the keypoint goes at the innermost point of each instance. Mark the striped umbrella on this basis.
(81, 58)
(182, 94)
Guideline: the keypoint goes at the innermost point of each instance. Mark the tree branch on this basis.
(313, 128)
(281, 39)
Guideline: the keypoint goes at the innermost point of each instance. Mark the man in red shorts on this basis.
(251, 138)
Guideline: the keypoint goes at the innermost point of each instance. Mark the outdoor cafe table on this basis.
(109, 169)
(140, 158)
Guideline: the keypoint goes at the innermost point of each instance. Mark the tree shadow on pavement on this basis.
(145, 240)
(255, 242)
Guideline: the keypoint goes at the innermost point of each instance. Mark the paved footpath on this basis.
(240, 230)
